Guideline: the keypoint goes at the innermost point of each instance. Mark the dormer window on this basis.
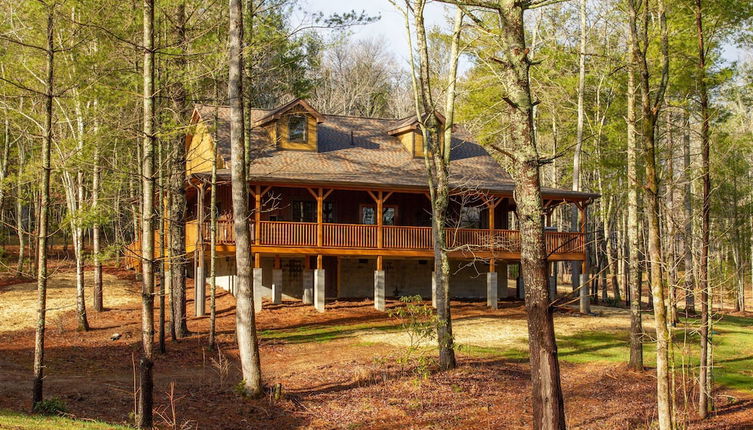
(297, 128)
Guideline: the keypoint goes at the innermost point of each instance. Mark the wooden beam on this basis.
(257, 260)
(380, 263)
(278, 264)
(380, 220)
(319, 218)
(319, 262)
(257, 215)
(492, 265)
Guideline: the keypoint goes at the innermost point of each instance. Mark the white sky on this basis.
(390, 26)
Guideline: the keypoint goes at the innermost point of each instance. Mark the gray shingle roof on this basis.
(372, 157)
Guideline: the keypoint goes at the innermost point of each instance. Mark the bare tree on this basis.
(651, 103)
(437, 162)
(634, 271)
(147, 231)
(704, 382)
(515, 149)
(248, 344)
(37, 390)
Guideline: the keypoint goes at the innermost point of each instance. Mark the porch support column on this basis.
(379, 299)
(257, 215)
(319, 195)
(257, 286)
(277, 281)
(492, 286)
(319, 285)
(200, 278)
(503, 293)
(379, 198)
(308, 282)
(584, 293)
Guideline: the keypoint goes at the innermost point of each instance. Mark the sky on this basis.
(390, 26)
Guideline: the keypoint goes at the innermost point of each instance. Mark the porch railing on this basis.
(366, 236)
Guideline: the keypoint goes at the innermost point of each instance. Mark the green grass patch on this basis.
(322, 333)
(732, 338)
(16, 421)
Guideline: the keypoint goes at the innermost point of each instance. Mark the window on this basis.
(305, 211)
(368, 214)
(297, 128)
(470, 217)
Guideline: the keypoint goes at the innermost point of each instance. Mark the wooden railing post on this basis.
(380, 220)
(257, 215)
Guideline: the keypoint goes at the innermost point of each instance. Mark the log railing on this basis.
(365, 236)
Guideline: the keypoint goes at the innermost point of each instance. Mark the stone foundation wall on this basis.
(406, 277)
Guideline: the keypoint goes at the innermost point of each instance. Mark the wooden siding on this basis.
(278, 132)
(200, 151)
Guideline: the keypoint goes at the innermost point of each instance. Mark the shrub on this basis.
(53, 406)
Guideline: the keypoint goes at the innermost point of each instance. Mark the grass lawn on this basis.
(16, 421)
(732, 338)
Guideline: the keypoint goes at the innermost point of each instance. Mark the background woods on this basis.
(648, 104)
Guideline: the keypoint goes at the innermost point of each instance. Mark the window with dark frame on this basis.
(305, 211)
(297, 128)
(368, 215)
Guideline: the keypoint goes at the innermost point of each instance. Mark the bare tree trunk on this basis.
(147, 228)
(437, 160)
(248, 345)
(37, 390)
(688, 248)
(704, 396)
(670, 226)
(651, 110)
(179, 327)
(20, 210)
(578, 153)
(213, 252)
(634, 271)
(519, 156)
(96, 175)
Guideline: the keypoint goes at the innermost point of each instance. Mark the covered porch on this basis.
(317, 242)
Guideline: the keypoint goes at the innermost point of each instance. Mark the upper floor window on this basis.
(297, 128)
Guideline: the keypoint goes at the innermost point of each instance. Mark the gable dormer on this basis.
(408, 132)
(293, 126)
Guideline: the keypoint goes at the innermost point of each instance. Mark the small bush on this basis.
(419, 322)
(53, 406)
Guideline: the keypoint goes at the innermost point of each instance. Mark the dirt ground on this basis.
(337, 369)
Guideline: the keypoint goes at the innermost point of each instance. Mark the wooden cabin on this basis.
(340, 208)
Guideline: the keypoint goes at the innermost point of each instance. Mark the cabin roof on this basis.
(359, 151)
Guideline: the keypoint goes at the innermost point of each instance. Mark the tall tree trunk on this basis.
(688, 248)
(651, 110)
(437, 161)
(37, 389)
(245, 320)
(634, 270)
(75, 208)
(147, 228)
(578, 153)
(520, 158)
(96, 230)
(213, 251)
(179, 327)
(704, 395)
(20, 210)
(670, 226)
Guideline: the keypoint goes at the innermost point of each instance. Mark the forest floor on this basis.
(347, 368)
